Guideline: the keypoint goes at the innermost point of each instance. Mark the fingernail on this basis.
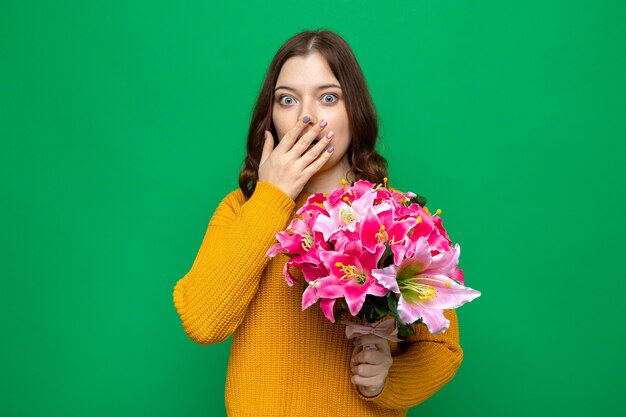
(306, 119)
(332, 148)
(266, 134)
(357, 342)
(330, 134)
(323, 123)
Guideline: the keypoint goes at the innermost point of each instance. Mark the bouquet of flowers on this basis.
(381, 253)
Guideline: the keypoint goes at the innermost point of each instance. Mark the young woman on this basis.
(313, 125)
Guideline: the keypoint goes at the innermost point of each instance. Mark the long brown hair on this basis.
(365, 162)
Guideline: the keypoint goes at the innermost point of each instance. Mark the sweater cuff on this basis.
(375, 397)
(273, 197)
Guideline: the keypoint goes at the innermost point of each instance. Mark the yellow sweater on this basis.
(285, 361)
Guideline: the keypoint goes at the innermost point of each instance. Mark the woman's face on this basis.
(307, 86)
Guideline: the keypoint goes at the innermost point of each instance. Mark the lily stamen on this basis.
(416, 287)
(393, 242)
(350, 272)
(446, 283)
(422, 291)
(347, 216)
(307, 242)
(382, 235)
(314, 282)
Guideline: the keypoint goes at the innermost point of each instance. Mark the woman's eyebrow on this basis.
(321, 87)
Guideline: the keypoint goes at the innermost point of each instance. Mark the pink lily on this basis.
(430, 227)
(350, 277)
(424, 286)
(374, 232)
(343, 215)
(310, 297)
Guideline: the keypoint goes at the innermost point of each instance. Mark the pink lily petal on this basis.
(360, 204)
(361, 187)
(369, 261)
(384, 210)
(274, 250)
(312, 272)
(296, 262)
(370, 227)
(399, 252)
(312, 208)
(309, 297)
(446, 297)
(329, 287)
(353, 248)
(438, 242)
(299, 226)
(445, 263)
(439, 225)
(436, 322)
(343, 238)
(422, 229)
(398, 230)
(409, 195)
(335, 260)
(326, 304)
(458, 275)
(409, 313)
(337, 195)
(385, 214)
(291, 242)
(377, 289)
(354, 294)
(419, 261)
(326, 226)
(387, 278)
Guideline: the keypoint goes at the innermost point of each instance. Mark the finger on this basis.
(355, 352)
(365, 369)
(367, 381)
(372, 357)
(380, 342)
(302, 145)
(316, 149)
(292, 135)
(268, 146)
(318, 163)
(371, 391)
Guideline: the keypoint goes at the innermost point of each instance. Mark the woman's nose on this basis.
(308, 109)
(312, 117)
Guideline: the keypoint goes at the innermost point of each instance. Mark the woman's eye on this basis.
(329, 98)
(286, 100)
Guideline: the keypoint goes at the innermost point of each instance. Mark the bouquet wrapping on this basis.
(374, 252)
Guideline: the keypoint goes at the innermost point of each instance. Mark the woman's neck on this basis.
(326, 181)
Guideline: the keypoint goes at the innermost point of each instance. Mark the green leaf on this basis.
(421, 200)
(392, 303)
(381, 310)
(405, 330)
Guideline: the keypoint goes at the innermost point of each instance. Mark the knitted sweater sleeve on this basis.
(426, 363)
(212, 297)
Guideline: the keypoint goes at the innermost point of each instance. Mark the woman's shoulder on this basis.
(234, 199)
(228, 208)
(266, 195)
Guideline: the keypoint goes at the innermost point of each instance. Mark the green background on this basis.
(123, 125)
